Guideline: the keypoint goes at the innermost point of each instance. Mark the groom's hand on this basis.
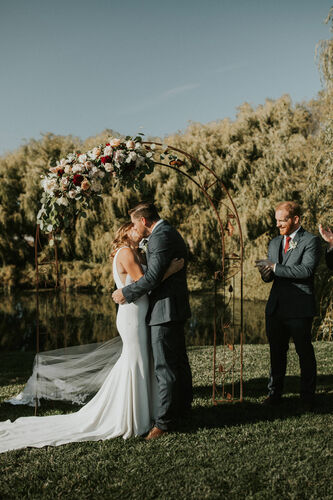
(118, 296)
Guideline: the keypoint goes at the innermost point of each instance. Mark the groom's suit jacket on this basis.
(292, 293)
(168, 299)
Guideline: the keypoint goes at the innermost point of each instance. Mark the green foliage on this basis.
(273, 152)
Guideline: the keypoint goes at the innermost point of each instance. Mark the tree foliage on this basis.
(269, 153)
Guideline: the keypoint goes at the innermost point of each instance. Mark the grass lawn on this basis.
(231, 451)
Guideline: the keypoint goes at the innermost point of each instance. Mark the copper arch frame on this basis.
(228, 373)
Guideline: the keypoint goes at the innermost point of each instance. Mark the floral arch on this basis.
(77, 182)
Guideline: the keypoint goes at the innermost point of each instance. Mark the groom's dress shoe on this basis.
(155, 433)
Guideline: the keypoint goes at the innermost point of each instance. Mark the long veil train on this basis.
(125, 399)
(70, 374)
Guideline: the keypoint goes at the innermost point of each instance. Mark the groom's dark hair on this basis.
(145, 209)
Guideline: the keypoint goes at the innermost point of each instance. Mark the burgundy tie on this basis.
(287, 244)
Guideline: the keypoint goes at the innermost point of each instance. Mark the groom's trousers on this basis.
(172, 371)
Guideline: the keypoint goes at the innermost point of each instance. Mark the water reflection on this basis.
(84, 318)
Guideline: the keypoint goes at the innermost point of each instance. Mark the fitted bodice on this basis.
(119, 283)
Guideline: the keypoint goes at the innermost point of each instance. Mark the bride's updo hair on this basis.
(122, 239)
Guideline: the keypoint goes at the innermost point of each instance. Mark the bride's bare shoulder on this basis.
(125, 253)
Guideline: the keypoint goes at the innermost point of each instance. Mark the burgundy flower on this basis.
(60, 172)
(77, 179)
(106, 159)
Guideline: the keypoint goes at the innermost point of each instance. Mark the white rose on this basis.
(68, 169)
(108, 167)
(115, 142)
(71, 193)
(101, 174)
(108, 151)
(49, 185)
(88, 165)
(131, 157)
(82, 158)
(64, 181)
(71, 157)
(94, 153)
(78, 167)
(130, 144)
(62, 201)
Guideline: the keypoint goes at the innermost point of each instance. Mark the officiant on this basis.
(292, 259)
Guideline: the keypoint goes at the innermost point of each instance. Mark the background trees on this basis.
(276, 151)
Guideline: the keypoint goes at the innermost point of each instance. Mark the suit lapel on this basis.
(276, 250)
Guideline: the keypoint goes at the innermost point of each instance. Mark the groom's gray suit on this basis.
(290, 309)
(168, 309)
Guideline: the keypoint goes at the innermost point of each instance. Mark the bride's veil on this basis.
(70, 374)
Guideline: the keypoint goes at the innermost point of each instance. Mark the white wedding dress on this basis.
(124, 404)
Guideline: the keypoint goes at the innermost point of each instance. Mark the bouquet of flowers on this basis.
(76, 182)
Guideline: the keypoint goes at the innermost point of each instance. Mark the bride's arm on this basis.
(127, 259)
(174, 266)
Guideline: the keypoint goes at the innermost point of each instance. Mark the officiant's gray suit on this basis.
(168, 309)
(290, 309)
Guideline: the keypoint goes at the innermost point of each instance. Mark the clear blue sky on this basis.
(80, 66)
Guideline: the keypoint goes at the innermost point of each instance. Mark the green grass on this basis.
(231, 451)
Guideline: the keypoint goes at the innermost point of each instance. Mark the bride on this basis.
(124, 403)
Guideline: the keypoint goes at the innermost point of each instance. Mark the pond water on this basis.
(82, 318)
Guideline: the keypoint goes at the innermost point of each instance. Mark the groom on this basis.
(168, 309)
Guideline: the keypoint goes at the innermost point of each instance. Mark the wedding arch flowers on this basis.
(77, 181)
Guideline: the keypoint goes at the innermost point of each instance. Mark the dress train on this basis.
(124, 404)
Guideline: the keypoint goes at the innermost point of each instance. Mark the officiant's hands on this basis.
(327, 235)
(118, 296)
(265, 267)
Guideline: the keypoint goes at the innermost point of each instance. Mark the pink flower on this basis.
(115, 142)
(85, 185)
